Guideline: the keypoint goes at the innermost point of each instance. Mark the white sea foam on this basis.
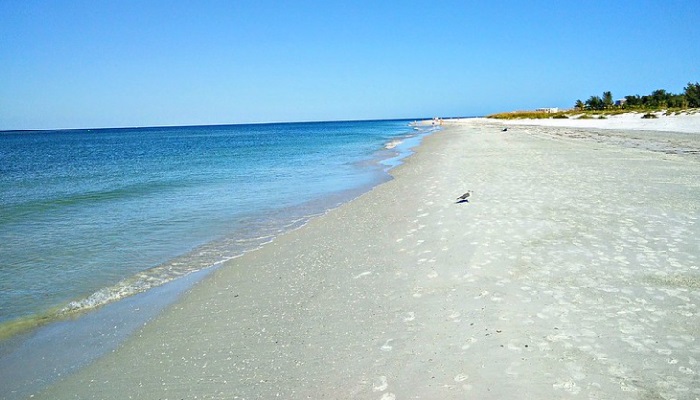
(209, 256)
(139, 283)
(392, 144)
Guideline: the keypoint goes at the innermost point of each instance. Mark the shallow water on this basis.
(91, 216)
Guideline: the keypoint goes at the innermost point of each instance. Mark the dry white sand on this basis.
(572, 272)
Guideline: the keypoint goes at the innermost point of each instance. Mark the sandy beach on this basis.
(573, 271)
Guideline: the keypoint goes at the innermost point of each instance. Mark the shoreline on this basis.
(250, 235)
(64, 338)
(289, 218)
(557, 278)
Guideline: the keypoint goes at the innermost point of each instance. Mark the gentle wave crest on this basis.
(211, 255)
(392, 144)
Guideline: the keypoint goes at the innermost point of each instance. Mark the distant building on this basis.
(620, 103)
(548, 110)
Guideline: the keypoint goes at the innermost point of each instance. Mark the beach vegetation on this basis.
(607, 100)
(657, 100)
(595, 103)
(649, 116)
(692, 94)
(528, 115)
(605, 105)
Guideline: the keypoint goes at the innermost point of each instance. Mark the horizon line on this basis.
(225, 124)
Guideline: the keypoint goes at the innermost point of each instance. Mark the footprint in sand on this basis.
(468, 343)
(686, 370)
(410, 316)
(387, 345)
(461, 377)
(514, 345)
(568, 386)
(380, 384)
(512, 370)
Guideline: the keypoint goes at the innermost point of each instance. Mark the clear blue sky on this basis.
(70, 64)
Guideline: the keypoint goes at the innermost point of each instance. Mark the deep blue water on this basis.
(91, 216)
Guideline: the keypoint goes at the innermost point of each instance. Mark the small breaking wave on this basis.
(131, 286)
(419, 130)
(392, 144)
(253, 236)
(208, 256)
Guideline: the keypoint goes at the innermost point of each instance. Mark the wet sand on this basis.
(572, 271)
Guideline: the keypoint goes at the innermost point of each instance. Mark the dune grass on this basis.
(589, 114)
(528, 115)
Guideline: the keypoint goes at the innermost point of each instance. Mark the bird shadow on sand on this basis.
(462, 201)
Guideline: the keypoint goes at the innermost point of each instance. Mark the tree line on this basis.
(690, 98)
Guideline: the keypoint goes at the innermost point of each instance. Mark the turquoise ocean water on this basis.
(91, 216)
(100, 229)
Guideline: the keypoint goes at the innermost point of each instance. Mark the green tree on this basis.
(659, 98)
(579, 105)
(692, 94)
(594, 103)
(633, 101)
(677, 101)
(607, 100)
